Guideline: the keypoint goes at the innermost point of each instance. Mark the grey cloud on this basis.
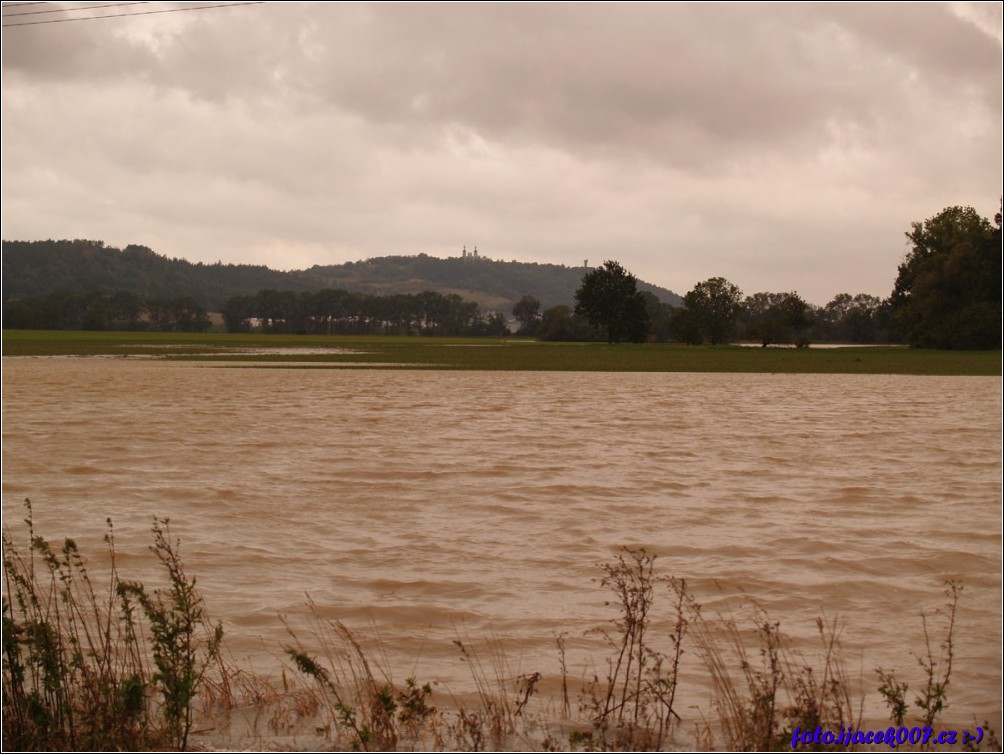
(677, 83)
(593, 75)
(70, 51)
(929, 37)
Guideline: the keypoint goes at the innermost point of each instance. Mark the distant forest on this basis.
(85, 285)
(31, 268)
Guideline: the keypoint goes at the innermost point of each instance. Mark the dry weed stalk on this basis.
(765, 701)
(635, 702)
(932, 698)
(502, 695)
(366, 706)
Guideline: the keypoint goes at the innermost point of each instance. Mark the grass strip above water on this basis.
(510, 354)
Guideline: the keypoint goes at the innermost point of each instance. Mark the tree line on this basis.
(105, 311)
(338, 312)
(947, 295)
(713, 314)
(326, 312)
(716, 312)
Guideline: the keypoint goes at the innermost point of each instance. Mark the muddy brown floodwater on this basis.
(424, 506)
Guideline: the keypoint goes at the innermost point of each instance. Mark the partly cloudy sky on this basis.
(782, 146)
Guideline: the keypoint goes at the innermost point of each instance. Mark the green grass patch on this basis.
(497, 354)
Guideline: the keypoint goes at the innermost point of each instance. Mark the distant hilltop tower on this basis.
(472, 255)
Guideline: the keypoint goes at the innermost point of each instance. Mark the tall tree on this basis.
(609, 299)
(948, 291)
(852, 319)
(659, 317)
(561, 323)
(714, 305)
(761, 318)
(776, 318)
(527, 312)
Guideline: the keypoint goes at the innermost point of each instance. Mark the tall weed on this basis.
(932, 697)
(76, 664)
(633, 706)
(764, 689)
(361, 703)
(183, 643)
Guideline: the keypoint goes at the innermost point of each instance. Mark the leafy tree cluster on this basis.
(947, 295)
(561, 323)
(527, 313)
(104, 311)
(948, 290)
(709, 313)
(609, 306)
(718, 313)
(338, 312)
(609, 300)
(861, 318)
(776, 318)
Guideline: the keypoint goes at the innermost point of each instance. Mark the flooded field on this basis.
(426, 506)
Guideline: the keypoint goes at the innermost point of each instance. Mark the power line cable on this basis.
(73, 10)
(135, 13)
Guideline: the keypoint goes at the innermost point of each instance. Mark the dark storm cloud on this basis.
(82, 52)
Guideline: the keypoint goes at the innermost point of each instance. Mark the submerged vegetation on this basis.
(103, 663)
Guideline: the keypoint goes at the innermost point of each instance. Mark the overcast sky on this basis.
(782, 146)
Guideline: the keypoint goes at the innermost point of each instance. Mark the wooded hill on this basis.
(33, 268)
